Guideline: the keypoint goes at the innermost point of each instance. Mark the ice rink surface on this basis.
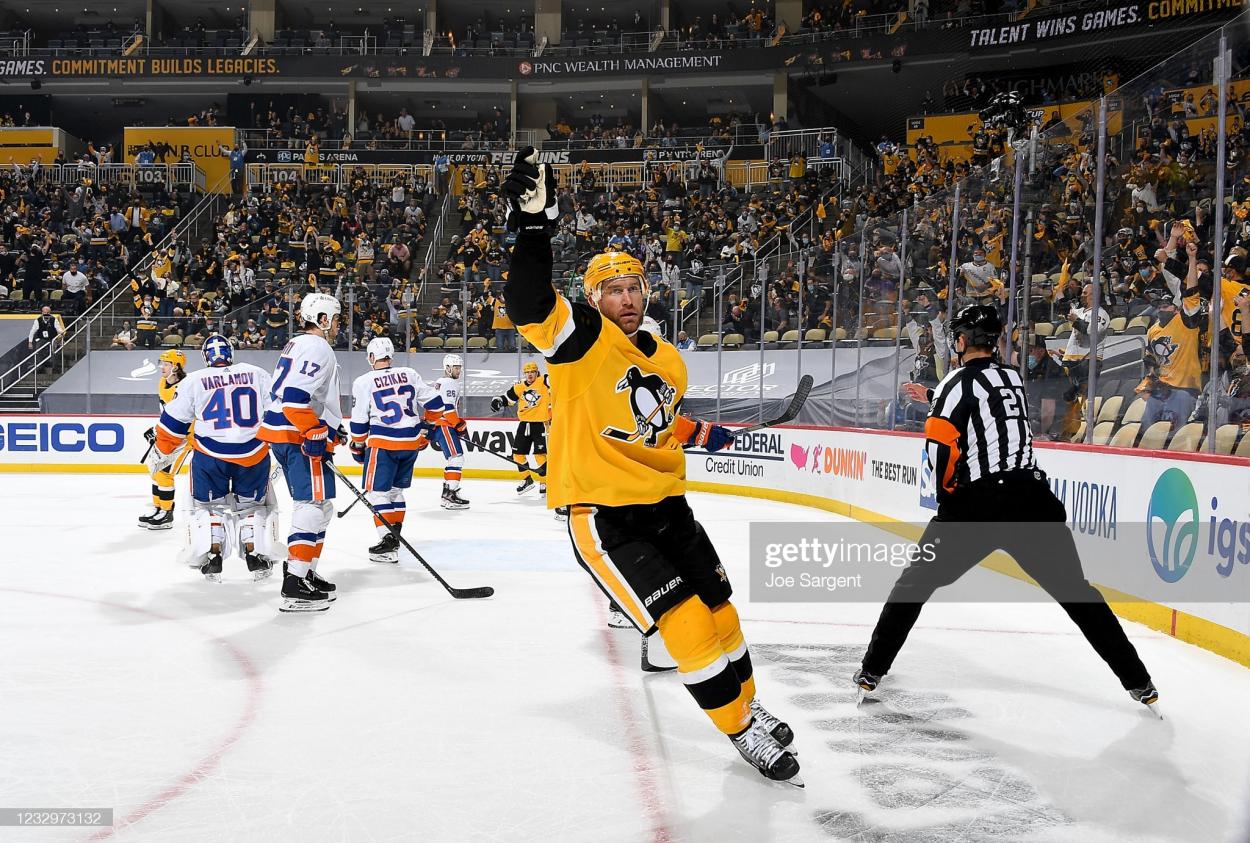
(200, 713)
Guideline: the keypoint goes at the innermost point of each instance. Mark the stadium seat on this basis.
(1043, 329)
(1126, 436)
(1134, 412)
(885, 333)
(454, 342)
(1225, 439)
(1187, 438)
(815, 335)
(1117, 325)
(171, 341)
(791, 336)
(432, 342)
(733, 340)
(477, 342)
(1062, 331)
(1142, 322)
(706, 341)
(839, 334)
(1109, 412)
(1155, 436)
(56, 295)
(1102, 432)
(1243, 447)
(770, 336)
(191, 342)
(17, 295)
(1079, 436)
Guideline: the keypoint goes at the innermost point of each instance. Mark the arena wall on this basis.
(1191, 582)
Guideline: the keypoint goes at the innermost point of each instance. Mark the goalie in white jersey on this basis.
(231, 511)
(391, 407)
(301, 423)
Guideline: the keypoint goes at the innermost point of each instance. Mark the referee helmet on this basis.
(978, 324)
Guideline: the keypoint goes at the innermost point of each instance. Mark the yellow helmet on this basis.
(530, 367)
(175, 356)
(608, 266)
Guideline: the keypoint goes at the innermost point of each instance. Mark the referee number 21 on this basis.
(1013, 401)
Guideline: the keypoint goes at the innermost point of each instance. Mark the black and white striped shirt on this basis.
(978, 425)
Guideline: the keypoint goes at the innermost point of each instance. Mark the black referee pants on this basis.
(1016, 513)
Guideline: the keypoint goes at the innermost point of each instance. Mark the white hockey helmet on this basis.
(450, 360)
(380, 348)
(316, 305)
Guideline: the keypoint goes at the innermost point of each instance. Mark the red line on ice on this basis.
(208, 763)
(639, 747)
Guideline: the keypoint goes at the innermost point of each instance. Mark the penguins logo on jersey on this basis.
(649, 400)
(531, 398)
(1162, 348)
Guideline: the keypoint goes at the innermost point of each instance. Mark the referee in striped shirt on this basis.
(991, 495)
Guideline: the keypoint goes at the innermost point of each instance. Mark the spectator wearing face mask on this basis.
(980, 277)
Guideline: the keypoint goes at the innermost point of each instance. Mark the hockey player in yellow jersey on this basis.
(532, 397)
(617, 463)
(173, 370)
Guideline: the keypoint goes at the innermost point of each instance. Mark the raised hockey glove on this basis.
(701, 434)
(315, 440)
(531, 192)
(358, 452)
(497, 404)
(150, 435)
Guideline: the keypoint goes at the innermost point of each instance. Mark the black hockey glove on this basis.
(497, 404)
(531, 192)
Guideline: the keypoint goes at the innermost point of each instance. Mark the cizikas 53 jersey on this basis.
(389, 407)
(305, 391)
(225, 404)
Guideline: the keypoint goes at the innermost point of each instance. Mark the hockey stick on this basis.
(458, 593)
(348, 509)
(792, 412)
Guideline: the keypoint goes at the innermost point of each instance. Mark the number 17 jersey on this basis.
(305, 391)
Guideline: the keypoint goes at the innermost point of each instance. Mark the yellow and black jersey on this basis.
(533, 400)
(612, 442)
(166, 391)
(1229, 316)
(1176, 347)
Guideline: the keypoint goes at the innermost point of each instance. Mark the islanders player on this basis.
(617, 463)
(173, 368)
(449, 429)
(224, 403)
(301, 424)
(391, 407)
(532, 395)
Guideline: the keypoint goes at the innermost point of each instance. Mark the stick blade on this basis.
(472, 593)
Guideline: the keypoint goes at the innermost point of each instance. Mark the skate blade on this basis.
(794, 781)
(384, 557)
(213, 577)
(264, 574)
(455, 506)
(1153, 708)
(160, 527)
(290, 605)
(860, 696)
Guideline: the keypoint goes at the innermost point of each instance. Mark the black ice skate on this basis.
(299, 595)
(162, 519)
(259, 566)
(762, 751)
(211, 569)
(452, 499)
(542, 489)
(866, 682)
(1148, 696)
(562, 513)
(526, 485)
(318, 582)
(386, 550)
(145, 520)
(780, 730)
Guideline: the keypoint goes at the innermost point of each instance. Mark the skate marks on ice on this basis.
(926, 780)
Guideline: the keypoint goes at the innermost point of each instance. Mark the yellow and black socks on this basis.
(693, 640)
